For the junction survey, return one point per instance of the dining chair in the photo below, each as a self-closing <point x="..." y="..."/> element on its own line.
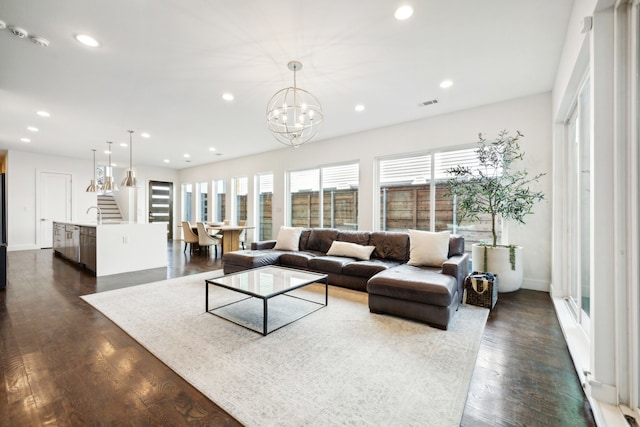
<point x="243" y="234"/>
<point x="189" y="236"/>
<point x="205" y="240"/>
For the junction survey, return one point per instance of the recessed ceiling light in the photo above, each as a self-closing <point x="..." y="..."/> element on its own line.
<point x="145" y="135"/>
<point x="107" y="152"/>
<point x="43" y="114"/>
<point x="167" y="160"/>
<point x="403" y="12"/>
<point x="446" y="84"/>
<point x="25" y="140"/>
<point x="359" y="107"/>
<point x="123" y="144"/>
<point x="87" y="40"/>
<point x="40" y="41"/>
<point x="187" y="155"/>
<point x="212" y="149"/>
<point x="32" y="128"/>
<point x="228" y="97"/>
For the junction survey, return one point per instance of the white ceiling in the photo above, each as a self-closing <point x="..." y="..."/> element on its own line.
<point x="164" y="65"/>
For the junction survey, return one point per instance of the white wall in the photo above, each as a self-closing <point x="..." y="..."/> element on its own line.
<point x="144" y="174"/>
<point x="22" y="215"/>
<point x="531" y="115"/>
<point x="22" y="170"/>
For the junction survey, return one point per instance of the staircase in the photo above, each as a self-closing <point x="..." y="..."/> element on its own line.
<point x="109" y="207"/>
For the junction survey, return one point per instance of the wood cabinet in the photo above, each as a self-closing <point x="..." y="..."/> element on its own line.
<point x="66" y="240"/>
<point x="88" y="247"/>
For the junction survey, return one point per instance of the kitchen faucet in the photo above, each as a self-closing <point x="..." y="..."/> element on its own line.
<point x="99" y="213"/>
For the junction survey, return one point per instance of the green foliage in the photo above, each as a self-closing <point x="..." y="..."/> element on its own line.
<point x="512" y="256"/>
<point x="495" y="187"/>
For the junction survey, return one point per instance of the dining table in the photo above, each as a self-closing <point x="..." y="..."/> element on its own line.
<point x="230" y="235"/>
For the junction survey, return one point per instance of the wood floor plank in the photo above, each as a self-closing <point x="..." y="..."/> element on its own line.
<point x="65" y="364"/>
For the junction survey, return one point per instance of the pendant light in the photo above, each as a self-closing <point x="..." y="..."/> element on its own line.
<point x="93" y="187"/>
<point x="294" y="115"/>
<point x="109" y="185"/>
<point x="130" y="178"/>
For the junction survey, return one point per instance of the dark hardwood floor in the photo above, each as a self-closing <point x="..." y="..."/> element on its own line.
<point x="63" y="363"/>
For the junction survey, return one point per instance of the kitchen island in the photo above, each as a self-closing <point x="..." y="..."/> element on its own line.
<point x="112" y="248"/>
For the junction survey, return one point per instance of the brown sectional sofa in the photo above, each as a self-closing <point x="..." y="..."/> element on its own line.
<point x="428" y="294"/>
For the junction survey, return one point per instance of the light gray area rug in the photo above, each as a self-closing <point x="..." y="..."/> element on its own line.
<point x="340" y="365"/>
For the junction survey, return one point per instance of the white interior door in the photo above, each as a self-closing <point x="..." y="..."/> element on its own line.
<point x="55" y="204"/>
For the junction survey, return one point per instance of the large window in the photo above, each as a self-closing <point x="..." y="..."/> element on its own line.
<point x="338" y="198"/>
<point x="220" y="197"/>
<point x="304" y="189"/>
<point x="187" y="199"/>
<point x="202" y="202"/>
<point x="405" y="193"/>
<point x="241" y="190"/>
<point x="579" y="196"/>
<point x="264" y="185"/>
<point x="414" y="195"/>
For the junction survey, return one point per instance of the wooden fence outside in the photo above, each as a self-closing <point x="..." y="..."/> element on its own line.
<point x="340" y="209"/>
<point x="401" y="208"/>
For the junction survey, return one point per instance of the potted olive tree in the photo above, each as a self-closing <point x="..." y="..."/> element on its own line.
<point x="498" y="189"/>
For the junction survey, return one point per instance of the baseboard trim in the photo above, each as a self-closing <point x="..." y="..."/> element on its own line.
<point x="22" y="248"/>
<point x="535" y="285"/>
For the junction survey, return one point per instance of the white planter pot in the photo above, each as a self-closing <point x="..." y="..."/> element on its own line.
<point x="498" y="263"/>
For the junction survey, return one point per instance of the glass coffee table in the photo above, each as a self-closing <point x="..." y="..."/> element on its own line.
<point x="266" y="283"/>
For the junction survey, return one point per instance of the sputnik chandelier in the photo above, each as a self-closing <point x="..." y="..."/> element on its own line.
<point x="294" y="116"/>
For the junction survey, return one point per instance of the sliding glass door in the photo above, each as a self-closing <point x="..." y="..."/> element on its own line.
<point x="578" y="128"/>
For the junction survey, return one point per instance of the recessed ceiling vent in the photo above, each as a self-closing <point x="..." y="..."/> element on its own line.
<point x="425" y="103"/>
<point x="18" y="32"/>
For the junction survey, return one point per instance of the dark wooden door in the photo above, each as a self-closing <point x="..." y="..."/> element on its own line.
<point x="161" y="204"/>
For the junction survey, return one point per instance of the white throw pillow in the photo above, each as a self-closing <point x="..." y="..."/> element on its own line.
<point x="288" y="239"/>
<point x="428" y="248"/>
<point x="352" y="250"/>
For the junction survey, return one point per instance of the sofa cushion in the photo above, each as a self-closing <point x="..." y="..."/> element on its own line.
<point x="304" y="238"/>
<point x="359" y="237"/>
<point x="321" y="239"/>
<point x="456" y="245"/>
<point x="288" y="239"/>
<point x="351" y="250"/>
<point x="420" y="284"/>
<point x="390" y="245"/>
<point x="329" y="264"/>
<point x="367" y="268"/>
<point x="252" y="258"/>
<point x="428" y="248"/>
<point x="296" y="259"/>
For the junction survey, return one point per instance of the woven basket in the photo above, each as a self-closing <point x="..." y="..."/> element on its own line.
<point x="481" y="290"/>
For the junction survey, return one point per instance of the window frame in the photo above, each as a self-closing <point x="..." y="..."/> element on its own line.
<point x="321" y="190"/>
<point x="432" y="183"/>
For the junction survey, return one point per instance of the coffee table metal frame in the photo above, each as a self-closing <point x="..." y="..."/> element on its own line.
<point x="312" y="278"/>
